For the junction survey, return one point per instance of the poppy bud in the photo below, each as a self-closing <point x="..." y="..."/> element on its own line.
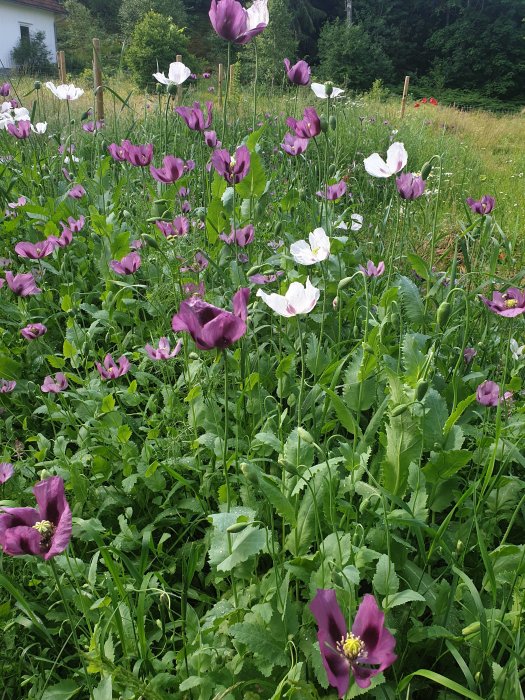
<point x="399" y="410"/>
<point x="250" y="472"/>
<point x="355" y="331"/>
<point x="159" y="88"/>
<point x="394" y="319"/>
<point x="237" y="527"/>
<point x="331" y="170"/>
<point x="438" y="447"/>
<point x="151" y="241"/>
<point x="37" y="85"/>
<point x="159" y="207"/>
<point x="443" y="313"/>
<point x="421" y="389"/>
<point x="305" y="435"/>
<point x="368" y="348"/>
<point x="200" y="213"/>
<point x="333" y="122"/>
<point x="278" y="228"/>
<point x="324" y="124"/>
<point x="426" y="170"/>
<point x="172" y="89"/>
<point x="344" y="283"/>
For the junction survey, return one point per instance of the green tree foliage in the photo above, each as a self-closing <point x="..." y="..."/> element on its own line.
<point x="105" y="11"/>
<point x="350" y="56"/>
<point x="132" y="11"/>
<point x="32" y="56"/>
<point x="154" y="44"/>
<point x="75" y="34"/>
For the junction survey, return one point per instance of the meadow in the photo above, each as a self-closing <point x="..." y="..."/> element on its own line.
<point x="267" y="398"/>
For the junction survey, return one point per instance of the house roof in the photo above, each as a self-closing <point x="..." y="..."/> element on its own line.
<point x="50" y="5"/>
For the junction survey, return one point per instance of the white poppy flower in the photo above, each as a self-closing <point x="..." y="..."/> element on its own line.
<point x="258" y="14"/>
<point x="320" y="91"/>
<point x="396" y="159"/>
<point x="39" y="128"/>
<point x="357" y="223"/>
<point x="317" y="250"/>
<point x="517" y="351"/>
<point x="65" y="92"/>
<point x="297" y="300"/>
<point x="177" y="74"/>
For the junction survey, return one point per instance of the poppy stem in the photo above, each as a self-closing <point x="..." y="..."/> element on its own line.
<point x="226" y="426"/>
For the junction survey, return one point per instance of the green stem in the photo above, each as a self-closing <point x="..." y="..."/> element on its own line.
<point x="226" y="425"/>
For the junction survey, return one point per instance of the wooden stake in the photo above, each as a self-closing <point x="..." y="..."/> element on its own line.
<point x="230" y="83"/>
<point x="61" y="63"/>
<point x="97" y="75"/>
<point x="220" y="78"/>
<point x="178" y="58"/>
<point x="405" y="95"/>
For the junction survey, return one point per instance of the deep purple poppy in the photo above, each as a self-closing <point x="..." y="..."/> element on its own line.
<point x="293" y="145"/>
<point x="469" y="354"/>
<point x="6" y="386"/>
<point x="91" y="127"/>
<point x="111" y="370"/>
<point x="77" y="192"/>
<point x="55" y="386"/>
<point x="369" y="643"/>
<point x="232" y="168"/>
<point x="36" y="251"/>
<point x="211" y="140"/>
<point x="209" y="326"/>
<point x="44" y="531"/>
<point x="298" y="74"/>
<point x="23" y="285"/>
<point x="118" y="153"/>
<point x="5" y="88"/>
<point x="241" y="236"/>
<point x="509" y="304"/>
<point x="233" y="23"/>
<point x="162" y="352"/>
<point x="410" y="186"/>
<point x="33" y="331"/>
<point x="482" y="206"/>
<point x="185" y="207"/>
<point x="191" y="289"/>
<point x="371" y="270"/>
<point x="333" y="192"/>
<point x="139" y="155"/>
<point x="128" y="265"/>
<point x="75" y="225"/>
<point x="171" y="171"/>
<point x="308" y="127"/>
<point x="6" y="471"/>
<point x="265" y="279"/>
<point x="194" y="117"/>
<point x="489" y="394"/>
<point x="20" y="130"/>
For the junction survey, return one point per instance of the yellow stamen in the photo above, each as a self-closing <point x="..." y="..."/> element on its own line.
<point x="351" y="647"/>
<point x="511" y="303"/>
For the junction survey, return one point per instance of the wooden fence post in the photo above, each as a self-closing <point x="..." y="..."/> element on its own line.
<point x="405" y="94"/>
<point x="97" y="78"/>
<point x="230" y="82"/>
<point x="61" y="64"/>
<point x="178" y="58"/>
<point x="220" y="78"/>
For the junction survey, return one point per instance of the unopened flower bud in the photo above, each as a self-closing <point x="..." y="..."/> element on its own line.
<point x="305" y="435"/>
<point x="324" y="123"/>
<point x="333" y="122"/>
<point x="426" y="170"/>
<point x="399" y="410"/>
<point x="443" y="313"/>
<point x="421" y="389"/>
<point x="172" y="89"/>
<point x="37" y="85"/>
<point x="164" y="599"/>
<point x="335" y="303"/>
<point x="237" y="527"/>
<point x="159" y="88"/>
<point x="151" y="241"/>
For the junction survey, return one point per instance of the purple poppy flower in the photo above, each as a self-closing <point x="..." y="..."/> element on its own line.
<point x="410" y="186"/>
<point x="36" y="251"/>
<point x="194" y="117"/>
<point x="232" y="168"/>
<point x="333" y="192"/>
<point x="180" y="226"/>
<point x="206" y="75"/>
<point x="128" y="265"/>
<point x="5" y="89"/>
<point x="138" y="155"/>
<point x="20" y="130"/>
<point x="293" y="145"/>
<point x="209" y="326"/>
<point x="110" y="370"/>
<point x="163" y="350"/>
<point x="265" y="279"/>
<point x="509" y="304"/>
<point x="482" y="206"/>
<point x="6" y="471"/>
<point x="191" y="289"/>
<point x="371" y="270"/>
<point x="75" y="225"/>
<point x="33" y="331"/>
<point x="211" y="140"/>
<point x="23" y="285"/>
<point x="77" y="192"/>
<point x="233" y="23"/>
<point x="6" y="386"/>
<point x="308" y="127"/>
<point x="369" y="644"/>
<point x="171" y="171"/>
<point x="240" y="303"/>
<point x="55" y="386"/>
<point x="489" y="394"/>
<point x="298" y="74"/>
<point x="118" y="153"/>
<point x="469" y="354"/>
<point x="189" y="165"/>
<point x="64" y="239"/>
<point x="201" y="261"/>
<point x="241" y="236"/>
<point x="91" y="127"/>
<point x="185" y="207"/>
<point x="44" y="532"/>
<point x="20" y="202"/>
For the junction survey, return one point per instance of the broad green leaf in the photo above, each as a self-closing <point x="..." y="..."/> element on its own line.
<point x="443" y="465"/>
<point x="254" y="183"/>
<point x="9" y="368"/>
<point x="402" y="597"/>
<point x="385" y="580"/>
<point x="61" y="691"/>
<point x="411" y="301"/>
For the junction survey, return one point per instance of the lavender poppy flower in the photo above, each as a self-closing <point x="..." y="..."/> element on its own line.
<point x="118" y="153"/>
<point x="232" y="168"/>
<point x="6" y="386"/>
<point x="138" y="155"/>
<point x="483" y="206"/>
<point x="233" y="23"/>
<point x="45" y="531"/>
<point x="5" y="88"/>
<point x="333" y="192"/>
<point x="77" y="192"/>
<point x="206" y="75"/>
<point x="410" y="186"/>
<point x="33" y="331"/>
<point x="469" y="354"/>
<point x="75" y="225"/>
<point x="23" y="285"/>
<point x="20" y="202"/>
<point x="194" y="117"/>
<point x="163" y="350"/>
<point x="298" y="74"/>
<point x="172" y="170"/>
<point x="371" y="270"/>
<point x="241" y="236"/>
<point x="36" y="251"/>
<point x="91" y="127"/>
<point x="110" y="370"/>
<point x="6" y="471"/>
<point x="308" y="127"/>
<point x="185" y="207"/>
<point x="489" y="394"/>
<point x="209" y="326"/>
<point x="369" y="643"/>
<point x="183" y="192"/>
<point x="20" y="130"/>
<point x="509" y="304"/>
<point x="128" y="265"/>
<point x="265" y="279"/>
<point x="64" y="239"/>
<point x="211" y="140"/>
<point x="191" y="289"/>
<point x="293" y="145"/>
<point x="59" y="384"/>
<point x="201" y="261"/>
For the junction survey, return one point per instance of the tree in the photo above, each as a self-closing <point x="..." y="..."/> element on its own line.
<point x="132" y="11"/>
<point x="75" y="34"/>
<point x="32" y="55"/>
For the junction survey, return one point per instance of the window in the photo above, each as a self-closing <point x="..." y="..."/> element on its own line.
<point x="24" y="34"/>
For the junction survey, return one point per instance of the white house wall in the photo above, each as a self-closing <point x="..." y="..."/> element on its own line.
<point x="11" y="17"/>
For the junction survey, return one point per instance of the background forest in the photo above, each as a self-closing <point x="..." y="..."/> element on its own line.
<point x="464" y="50"/>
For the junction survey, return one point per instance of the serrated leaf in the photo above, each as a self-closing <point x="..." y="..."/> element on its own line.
<point x="297" y="452"/>
<point x="411" y="300"/>
<point x="385" y="581"/>
<point x="433" y="419"/>
<point x="402" y="597"/>
<point x="260" y="642"/>
<point x="302" y="536"/>
<point x="243" y="545"/>
<point x="61" y="691"/>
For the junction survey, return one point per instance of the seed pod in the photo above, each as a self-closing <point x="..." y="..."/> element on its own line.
<point x="152" y="242"/>
<point x="421" y="389"/>
<point x="333" y="122"/>
<point x="443" y="313"/>
<point x="426" y="170"/>
<point x="399" y="410"/>
<point x="324" y="124"/>
<point x="237" y="527"/>
<point x="250" y="473"/>
<point x="172" y="89"/>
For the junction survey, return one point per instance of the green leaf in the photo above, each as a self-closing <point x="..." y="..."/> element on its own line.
<point x="302" y="537"/>
<point x="269" y="486"/>
<point x="254" y="183"/>
<point x="458" y="412"/>
<point x="443" y="465"/>
<point x="402" y="597"/>
<point x="411" y="301"/>
<point x="442" y="680"/>
<point x="260" y="642"/>
<point x="61" y="691"/>
<point x="297" y="452"/>
<point x="9" y="368"/>
<point x="419" y="266"/>
<point x="403" y="446"/>
<point x="68" y="349"/>
<point x="385" y="580"/>
<point x="343" y="413"/>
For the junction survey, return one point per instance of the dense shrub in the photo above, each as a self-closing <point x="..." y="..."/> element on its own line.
<point x="32" y="56"/>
